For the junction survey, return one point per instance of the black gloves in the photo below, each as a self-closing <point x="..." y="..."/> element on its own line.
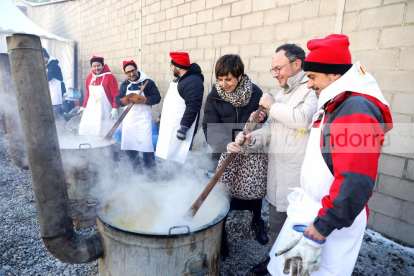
<point x="181" y="133"/>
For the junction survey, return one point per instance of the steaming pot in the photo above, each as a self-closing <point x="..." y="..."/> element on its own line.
<point x="82" y="158"/>
<point x="180" y="250"/>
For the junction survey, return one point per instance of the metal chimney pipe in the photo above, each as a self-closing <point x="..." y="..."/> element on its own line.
<point x="43" y="154"/>
<point x="13" y="124"/>
<point x="2" y="88"/>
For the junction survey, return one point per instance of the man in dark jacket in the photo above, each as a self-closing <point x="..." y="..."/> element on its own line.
<point x="56" y="85"/>
<point x="181" y="109"/>
<point x="136" y="128"/>
<point x="190" y="87"/>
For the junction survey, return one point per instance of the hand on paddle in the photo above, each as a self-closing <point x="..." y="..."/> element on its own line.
<point x="267" y="101"/>
<point x="127" y="99"/>
<point x="241" y="140"/>
<point x="262" y="115"/>
<point x="138" y="99"/>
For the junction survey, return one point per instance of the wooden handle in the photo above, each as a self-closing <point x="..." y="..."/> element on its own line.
<point x="213" y="181"/>
<point x="119" y="121"/>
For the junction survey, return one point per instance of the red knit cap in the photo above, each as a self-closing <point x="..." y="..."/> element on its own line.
<point x="329" y="55"/>
<point x="129" y="62"/>
<point x="97" y="59"/>
<point x="180" y="59"/>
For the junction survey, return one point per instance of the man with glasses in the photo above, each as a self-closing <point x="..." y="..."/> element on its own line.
<point x="290" y="114"/>
<point x="136" y="127"/>
<point x="327" y="217"/>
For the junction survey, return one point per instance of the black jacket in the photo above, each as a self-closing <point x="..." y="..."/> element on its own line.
<point x="191" y="89"/>
<point x="54" y="72"/>
<point x="151" y="91"/>
<point x="222" y="121"/>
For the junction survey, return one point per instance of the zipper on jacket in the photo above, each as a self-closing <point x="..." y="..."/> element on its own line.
<point x="237" y="116"/>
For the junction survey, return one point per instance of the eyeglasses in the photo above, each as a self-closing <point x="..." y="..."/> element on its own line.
<point x="131" y="72"/>
<point x="277" y="70"/>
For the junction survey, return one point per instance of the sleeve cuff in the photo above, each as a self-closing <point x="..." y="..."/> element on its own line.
<point x="323" y="228"/>
<point x="252" y="143"/>
<point x="273" y="109"/>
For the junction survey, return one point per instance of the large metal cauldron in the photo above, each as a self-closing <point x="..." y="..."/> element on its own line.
<point x="83" y="157"/>
<point x="180" y="250"/>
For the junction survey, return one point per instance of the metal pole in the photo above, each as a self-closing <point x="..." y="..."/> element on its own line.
<point x="13" y="124"/>
<point x="43" y="154"/>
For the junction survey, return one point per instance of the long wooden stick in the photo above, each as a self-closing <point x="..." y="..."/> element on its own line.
<point x="119" y="121"/>
<point x="213" y="181"/>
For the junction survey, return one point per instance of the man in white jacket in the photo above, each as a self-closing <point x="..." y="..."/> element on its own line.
<point x="290" y="114"/>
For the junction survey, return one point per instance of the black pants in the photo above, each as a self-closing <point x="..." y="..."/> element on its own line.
<point x="254" y="205"/>
<point x="148" y="157"/>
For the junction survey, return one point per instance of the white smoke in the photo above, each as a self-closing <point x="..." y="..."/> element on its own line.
<point x="155" y="203"/>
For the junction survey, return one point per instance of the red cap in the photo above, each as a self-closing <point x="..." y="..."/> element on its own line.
<point x="97" y="59"/>
<point x="129" y="62"/>
<point x="329" y="55"/>
<point x="180" y="59"/>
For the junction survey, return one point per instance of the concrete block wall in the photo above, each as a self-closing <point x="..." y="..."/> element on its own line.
<point x="381" y="34"/>
<point x="209" y="29"/>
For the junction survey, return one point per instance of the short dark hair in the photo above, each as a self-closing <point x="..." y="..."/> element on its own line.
<point x="293" y="52"/>
<point x="229" y="64"/>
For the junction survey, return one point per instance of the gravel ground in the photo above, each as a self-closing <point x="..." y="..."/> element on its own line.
<point x="22" y="251"/>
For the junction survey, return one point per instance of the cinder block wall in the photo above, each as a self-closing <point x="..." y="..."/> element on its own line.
<point x="381" y="33"/>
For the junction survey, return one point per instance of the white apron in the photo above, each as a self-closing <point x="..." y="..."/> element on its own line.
<point x="168" y="146"/>
<point x="95" y="119"/>
<point x="136" y="127"/>
<point x="55" y="87"/>
<point x="341" y="250"/>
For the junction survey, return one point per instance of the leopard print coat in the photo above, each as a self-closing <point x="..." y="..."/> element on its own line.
<point x="246" y="176"/>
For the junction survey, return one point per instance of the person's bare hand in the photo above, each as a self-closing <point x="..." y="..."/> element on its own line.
<point x="262" y="115"/>
<point x="242" y="139"/>
<point x="267" y="101"/>
<point x="312" y="233"/>
<point x="234" y="147"/>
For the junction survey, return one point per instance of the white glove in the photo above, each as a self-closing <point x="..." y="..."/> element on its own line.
<point x="114" y="114"/>
<point x="64" y="95"/>
<point x="81" y="110"/>
<point x="302" y="252"/>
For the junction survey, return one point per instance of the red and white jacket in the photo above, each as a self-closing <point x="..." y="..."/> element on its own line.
<point x="353" y="134"/>
<point x="110" y="86"/>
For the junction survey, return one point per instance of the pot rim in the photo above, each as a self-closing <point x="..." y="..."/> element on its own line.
<point x="100" y="211"/>
<point x="84" y="146"/>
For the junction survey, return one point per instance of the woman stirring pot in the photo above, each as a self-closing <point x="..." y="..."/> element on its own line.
<point x="228" y="107"/>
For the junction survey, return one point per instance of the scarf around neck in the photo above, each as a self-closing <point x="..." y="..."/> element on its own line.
<point x="241" y="95"/>
<point x="142" y="77"/>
